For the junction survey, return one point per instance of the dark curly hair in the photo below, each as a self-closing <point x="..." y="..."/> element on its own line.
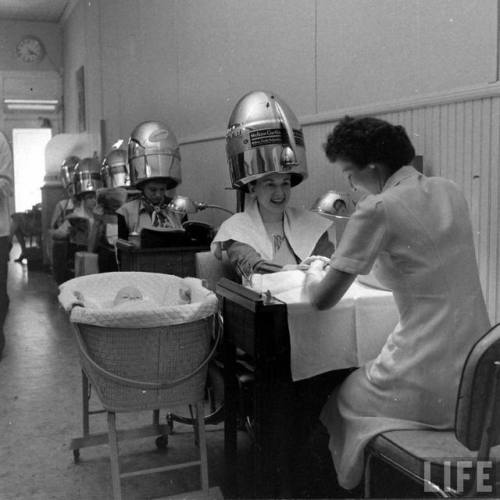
<point x="369" y="140"/>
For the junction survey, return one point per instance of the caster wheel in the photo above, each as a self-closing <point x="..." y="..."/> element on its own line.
<point x="162" y="442"/>
<point x="76" y="456"/>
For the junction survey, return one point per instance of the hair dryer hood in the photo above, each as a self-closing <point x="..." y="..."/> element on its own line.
<point x="67" y="173"/>
<point x="114" y="170"/>
<point x="263" y="137"/>
<point x="153" y="153"/>
<point x="87" y="176"/>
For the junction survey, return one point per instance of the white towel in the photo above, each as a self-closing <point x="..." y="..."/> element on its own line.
<point x="345" y="336"/>
<point x="89" y="299"/>
<point x="302" y="229"/>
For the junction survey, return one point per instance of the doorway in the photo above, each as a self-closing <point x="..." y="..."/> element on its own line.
<point x="28" y="146"/>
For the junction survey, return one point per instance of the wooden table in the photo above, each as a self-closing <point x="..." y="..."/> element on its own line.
<point x="259" y="328"/>
<point x="179" y="261"/>
<point x="258" y="324"/>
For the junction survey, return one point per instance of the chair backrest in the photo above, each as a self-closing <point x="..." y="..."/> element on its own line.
<point x="478" y="390"/>
<point x="210" y="269"/>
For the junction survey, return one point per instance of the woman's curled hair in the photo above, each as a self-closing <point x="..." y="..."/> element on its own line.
<point x="369" y="140"/>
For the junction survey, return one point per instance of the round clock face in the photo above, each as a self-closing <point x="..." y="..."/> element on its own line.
<point x="30" y="50"/>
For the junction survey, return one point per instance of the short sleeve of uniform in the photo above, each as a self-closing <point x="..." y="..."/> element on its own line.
<point x="362" y="239"/>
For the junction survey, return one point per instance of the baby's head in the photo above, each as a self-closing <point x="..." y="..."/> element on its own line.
<point x="126" y="294"/>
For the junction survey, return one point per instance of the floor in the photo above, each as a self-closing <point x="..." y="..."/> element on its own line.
<point x="40" y="412"/>
<point x="40" y="394"/>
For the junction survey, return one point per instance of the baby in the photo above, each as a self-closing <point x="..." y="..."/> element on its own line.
<point x="126" y="294"/>
<point x="131" y="297"/>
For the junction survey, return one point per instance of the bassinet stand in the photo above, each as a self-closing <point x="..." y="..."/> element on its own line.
<point x="113" y="436"/>
<point x="88" y="439"/>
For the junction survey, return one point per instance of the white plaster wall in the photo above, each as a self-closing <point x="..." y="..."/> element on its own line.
<point x="75" y="52"/>
<point x="188" y="62"/>
<point x="11" y="33"/>
<point x="25" y="80"/>
<point x="384" y="50"/>
<point x="81" y="44"/>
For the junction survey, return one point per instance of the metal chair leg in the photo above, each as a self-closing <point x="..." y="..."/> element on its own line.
<point x="113" y="455"/>
<point x="156" y="417"/>
<point x="202" y="447"/>
<point x="85" y="404"/>
<point x="368" y="459"/>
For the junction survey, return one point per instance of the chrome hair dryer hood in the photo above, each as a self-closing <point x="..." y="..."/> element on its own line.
<point x="67" y="173"/>
<point x="264" y="137"/>
<point x="334" y="205"/>
<point x="153" y="153"/>
<point x="87" y="176"/>
<point x="114" y="170"/>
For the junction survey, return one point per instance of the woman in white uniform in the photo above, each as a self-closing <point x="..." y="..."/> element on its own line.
<point x="415" y="233"/>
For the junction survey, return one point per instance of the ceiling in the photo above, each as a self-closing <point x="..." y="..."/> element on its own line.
<point x="34" y="10"/>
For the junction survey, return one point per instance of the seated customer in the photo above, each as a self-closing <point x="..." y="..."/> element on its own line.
<point x="105" y="228"/>
<point x="65" y="206"/>
<point x="148" y="210"/>
<point x="62" y="209"/>
<point x="116" y="178"/>
<point x="57" y="244"/>
<point x="269" y="236"/>
<point x="266" y="156"/>
<point x="155" y="168"/>
<point x="80" y="222"/>
<point x="77" y="226"/>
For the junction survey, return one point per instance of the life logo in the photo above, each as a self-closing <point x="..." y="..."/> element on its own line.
<point x="458" y="477"/>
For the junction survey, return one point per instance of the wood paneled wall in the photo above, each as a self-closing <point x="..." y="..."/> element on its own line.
<point x="460" y="141"/>
<point x="459" y="138"/>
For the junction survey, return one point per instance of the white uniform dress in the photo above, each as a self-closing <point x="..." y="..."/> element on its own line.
<point x="417" y="235"/>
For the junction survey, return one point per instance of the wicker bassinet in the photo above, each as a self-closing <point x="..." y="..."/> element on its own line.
<point x="147" y="359"/>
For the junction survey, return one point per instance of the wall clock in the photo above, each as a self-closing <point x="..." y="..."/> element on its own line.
<point x="30" y="50"/>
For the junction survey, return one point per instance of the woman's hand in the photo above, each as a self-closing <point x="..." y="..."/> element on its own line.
<point x="326" y="287"/>
<point x="313" y="259"/>
<point x="295" y="267"/>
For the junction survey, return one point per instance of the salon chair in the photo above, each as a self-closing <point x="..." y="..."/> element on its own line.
<point x="210" y="270"/>
<point x="460" y="461"/>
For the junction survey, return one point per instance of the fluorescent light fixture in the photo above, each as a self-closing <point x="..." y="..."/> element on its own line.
<point x="31" y="104"/>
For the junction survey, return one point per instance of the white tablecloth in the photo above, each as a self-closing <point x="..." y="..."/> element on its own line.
<point x="348" y="335"/>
